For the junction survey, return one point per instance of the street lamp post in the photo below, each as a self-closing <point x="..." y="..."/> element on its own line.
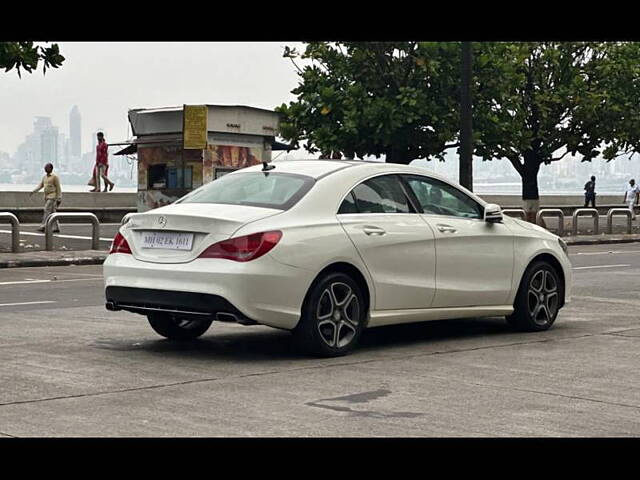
<point x="466" y="166"/>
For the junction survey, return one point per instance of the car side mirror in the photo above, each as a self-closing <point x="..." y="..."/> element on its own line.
<point x="492" y="213"/>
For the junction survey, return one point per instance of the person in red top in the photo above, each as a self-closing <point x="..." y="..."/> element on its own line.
<point x="102" y="164"/>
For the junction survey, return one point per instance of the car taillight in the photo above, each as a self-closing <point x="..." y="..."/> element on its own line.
<point x="243" y="249"/>
<point x="119" y="245"/>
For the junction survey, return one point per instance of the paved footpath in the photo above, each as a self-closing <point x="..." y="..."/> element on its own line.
<point x="68" y="367"/>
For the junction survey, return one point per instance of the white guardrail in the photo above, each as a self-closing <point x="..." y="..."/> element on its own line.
<point x="15" y="230"/>
<point x="95" y="234"/>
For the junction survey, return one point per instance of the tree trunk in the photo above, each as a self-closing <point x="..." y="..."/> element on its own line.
<point x="529" y="175"/>
<point x="466" y="147"/>
<point x="397" y="154"/>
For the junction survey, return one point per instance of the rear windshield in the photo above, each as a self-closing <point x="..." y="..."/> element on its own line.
<point x="256" y="189"/>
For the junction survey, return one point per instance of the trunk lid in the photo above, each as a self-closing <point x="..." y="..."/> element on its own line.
<point x="208" y="223"/>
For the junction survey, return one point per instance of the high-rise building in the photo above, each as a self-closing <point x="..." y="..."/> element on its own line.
<point x="75" y="132"/>
<point x="49" y="146"/>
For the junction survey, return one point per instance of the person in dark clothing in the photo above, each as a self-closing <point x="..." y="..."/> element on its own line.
<point x="590" y="192"/>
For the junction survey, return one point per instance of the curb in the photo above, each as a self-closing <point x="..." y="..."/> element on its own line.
<point x="601" y="241"/>
<point x="97" y="260"/>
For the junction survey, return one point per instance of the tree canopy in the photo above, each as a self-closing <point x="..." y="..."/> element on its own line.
<point x="395" y="98"/>
<point x="26" y="56"/>
<point x="533" y="102"/>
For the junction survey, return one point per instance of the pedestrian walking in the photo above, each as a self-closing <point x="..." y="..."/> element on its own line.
<point x="590" y="193"/>
<point x="631" y="196"/>
<point x="52" y="196"/>
<point x="102" y="164"/>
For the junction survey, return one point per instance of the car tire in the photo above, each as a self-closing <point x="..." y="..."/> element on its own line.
<point x="333" y="316"/>
<point x="538" y="299"/>
<point x="178" y="328"/>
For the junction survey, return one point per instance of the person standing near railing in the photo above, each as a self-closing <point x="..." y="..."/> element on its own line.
<point x="631" y="196"/>
<point x="590" y="192"/>
<point x="52" y="196"/>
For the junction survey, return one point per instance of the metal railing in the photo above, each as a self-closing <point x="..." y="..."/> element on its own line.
<point x="586" y="211"/>
<point x="95" y="235"/>
<point x="15" y="230"/>
<point x="618" y="211"/>
<point x="519" y="211"/>
<point x="556" y="212"/>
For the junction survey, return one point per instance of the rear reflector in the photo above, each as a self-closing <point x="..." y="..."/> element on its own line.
<point x="119" y="245"/>
<point x="243" y="249"/>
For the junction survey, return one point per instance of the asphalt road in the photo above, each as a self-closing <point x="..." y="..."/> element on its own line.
<point x="68" y="367"/>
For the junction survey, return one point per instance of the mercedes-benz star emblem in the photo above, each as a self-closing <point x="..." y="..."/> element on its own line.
<point x="162" y="221"/>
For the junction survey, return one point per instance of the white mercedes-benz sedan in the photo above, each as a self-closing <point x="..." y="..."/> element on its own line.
<point x="327" y="248"/>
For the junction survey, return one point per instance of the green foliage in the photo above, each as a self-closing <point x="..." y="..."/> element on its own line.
<point x="26" y="56"/>
<point x="393" y="98"/>
<point x="533" y="102"/>
<point x="543" y="100"/>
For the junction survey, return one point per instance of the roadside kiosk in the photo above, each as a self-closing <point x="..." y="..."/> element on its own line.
<point x="181" y="148"/>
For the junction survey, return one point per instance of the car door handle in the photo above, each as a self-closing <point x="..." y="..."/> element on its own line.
<point x="446" y="228"/>
<point x="371" y="230"/>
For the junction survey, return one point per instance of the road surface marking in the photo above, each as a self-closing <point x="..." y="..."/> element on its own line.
<point x="47" y="281"/>
<point x="604" y="253"/>
<point x="79" y="237"/>
<point x="24" y="281"/>
<point x="600" y="266"/>
<point x="24" y="303"/>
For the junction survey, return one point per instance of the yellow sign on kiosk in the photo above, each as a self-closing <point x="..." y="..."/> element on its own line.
<point x="194" y="127"/>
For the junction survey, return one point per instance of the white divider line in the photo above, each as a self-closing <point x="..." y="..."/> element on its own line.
<point x="24" y="303"/>
<point x="600" y="266"/>
<point x="21" y="282"/>
<point x="605" y="253"/>
<point x="38" y="234"/>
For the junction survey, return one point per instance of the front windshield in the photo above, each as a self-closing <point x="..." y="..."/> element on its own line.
<point x="268" y="190"/>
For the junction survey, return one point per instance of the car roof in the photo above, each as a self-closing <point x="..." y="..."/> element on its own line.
<point x="318" y="168"/>
<point x="313" y="168"/>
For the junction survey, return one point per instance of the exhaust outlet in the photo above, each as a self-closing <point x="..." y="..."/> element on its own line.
<point x="226" y="317"/>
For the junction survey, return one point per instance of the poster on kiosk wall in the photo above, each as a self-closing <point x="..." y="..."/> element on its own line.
<point x="194" y="127"/>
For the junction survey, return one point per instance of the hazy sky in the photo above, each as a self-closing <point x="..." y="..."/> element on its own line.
<point x="107" y="79"/>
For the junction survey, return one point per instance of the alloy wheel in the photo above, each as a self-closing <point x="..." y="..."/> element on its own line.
<point x="337" y="314"/>
<point x="542" y="297"/>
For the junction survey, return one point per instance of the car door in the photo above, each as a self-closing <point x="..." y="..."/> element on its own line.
<point x="395" y="244"/>
<point x="474" y="258"/>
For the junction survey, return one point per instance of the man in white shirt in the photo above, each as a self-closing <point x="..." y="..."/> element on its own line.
<point x="631" y="196"/>
<point x="52" y="196"/>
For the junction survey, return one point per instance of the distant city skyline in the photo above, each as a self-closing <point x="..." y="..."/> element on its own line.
<point x="106" y="79"/>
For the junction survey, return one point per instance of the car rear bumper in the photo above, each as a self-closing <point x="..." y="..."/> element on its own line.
<point x="148" y="301"/>
<point x="263" y="290"/>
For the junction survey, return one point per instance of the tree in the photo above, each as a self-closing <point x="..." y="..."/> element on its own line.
<point x="616" y="113"/>
<point x="27" y="56"/>
<point x="534" y="103"/>
<point x="552" y="99"/>
<point x="397" y="99"/>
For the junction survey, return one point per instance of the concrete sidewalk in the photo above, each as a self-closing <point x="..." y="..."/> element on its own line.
<point x="601" y="239"/>
<point x="53" y="258"/>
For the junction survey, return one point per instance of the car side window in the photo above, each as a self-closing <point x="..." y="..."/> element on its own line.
<point x="438" y="198"/>
<point x="348" y="204"/>
<point x="382" y="194"/>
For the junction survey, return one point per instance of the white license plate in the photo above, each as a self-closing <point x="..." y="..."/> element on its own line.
<point x="167" y="240"/>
